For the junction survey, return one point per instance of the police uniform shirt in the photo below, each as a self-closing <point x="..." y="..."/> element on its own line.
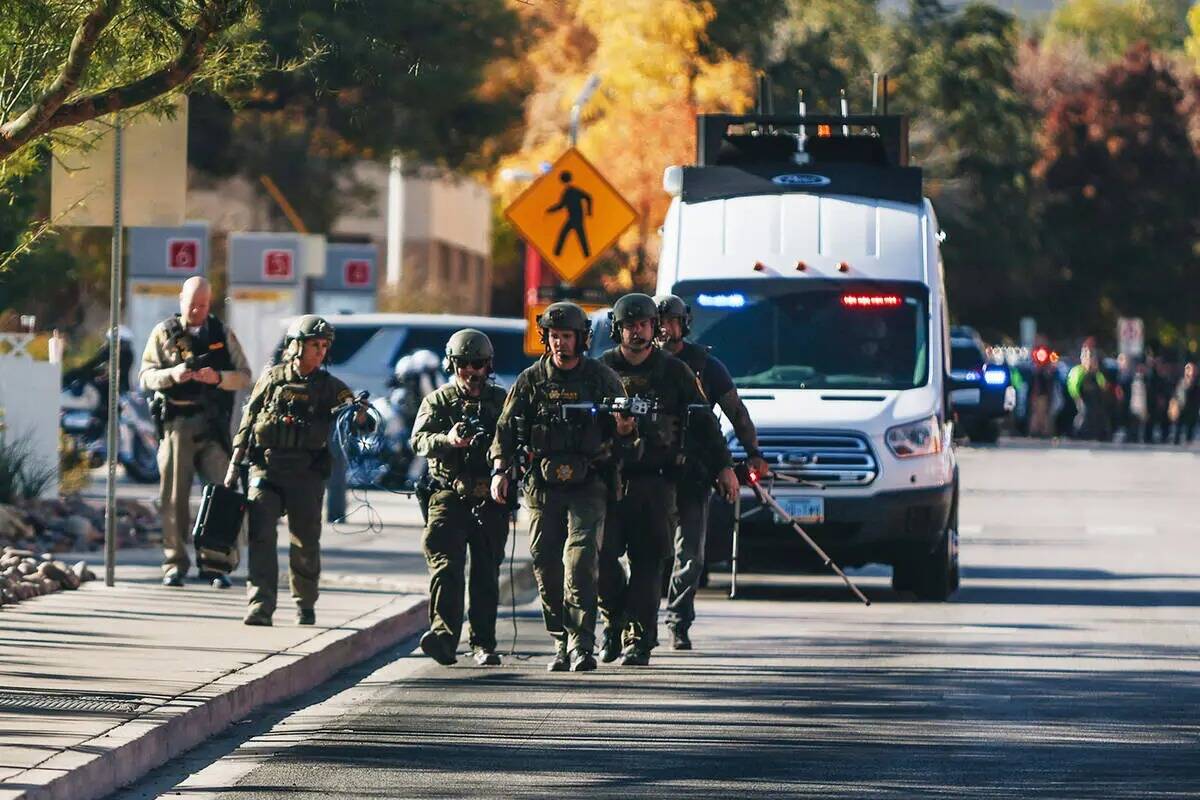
<point x="715" y="379"/>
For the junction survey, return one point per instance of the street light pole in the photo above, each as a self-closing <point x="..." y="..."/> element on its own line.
<point x="589" y="88"/>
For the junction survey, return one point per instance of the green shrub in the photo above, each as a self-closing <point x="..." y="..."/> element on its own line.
<point x="21" y="477"/>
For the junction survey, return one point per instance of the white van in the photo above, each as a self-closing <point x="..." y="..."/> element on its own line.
<point x="367" y="346"/>
<point x="810" y="260"/>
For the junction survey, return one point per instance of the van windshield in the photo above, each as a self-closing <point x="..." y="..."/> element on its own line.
<point x="822" y="335"/>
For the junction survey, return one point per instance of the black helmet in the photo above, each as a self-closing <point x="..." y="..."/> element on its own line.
<point x="631" y="307"/>
<point x="672" y="305"/>
<point x="565" y="315"/>
<point x="310" y="326"/>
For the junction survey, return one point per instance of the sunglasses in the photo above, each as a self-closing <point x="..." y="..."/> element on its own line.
<point x="478" y="363"/>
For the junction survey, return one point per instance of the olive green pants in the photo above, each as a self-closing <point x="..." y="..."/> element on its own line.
<point x="298" y="495"/>
<point x="638" y="525"/>
<point x="564" y="528"/>
<point x="452" y="531"/>
<point x="185" y="450"/>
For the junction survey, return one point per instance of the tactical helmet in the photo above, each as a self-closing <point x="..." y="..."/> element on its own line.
<point x="565" y="315"/>
<point x="310" y="326"/>
<point x="631" y="307"/>
<point x="672" y="305"/>
<point x="468" y="345"/>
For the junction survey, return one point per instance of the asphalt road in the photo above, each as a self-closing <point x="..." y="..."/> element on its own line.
<point x="1067" y="666"/>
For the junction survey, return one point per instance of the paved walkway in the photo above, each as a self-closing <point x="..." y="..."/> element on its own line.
<point x="102" y="684"/>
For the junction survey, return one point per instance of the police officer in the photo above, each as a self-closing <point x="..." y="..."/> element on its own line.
<point x="194" y="365"/>
<point x="565" y="487"/>
<point x="695" y="486"/>
<point x="639" y="524"/>
<point x="453" y="429"/>
<point x="284" y="439"/>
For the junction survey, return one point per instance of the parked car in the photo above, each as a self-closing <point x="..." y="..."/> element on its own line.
<point x="984" y="393"/>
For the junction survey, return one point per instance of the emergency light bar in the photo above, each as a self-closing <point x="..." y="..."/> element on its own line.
<point x="871" y="300"/>
<point x="732" y="300"/>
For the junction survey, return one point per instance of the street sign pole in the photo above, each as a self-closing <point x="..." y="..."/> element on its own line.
<point x="114" y="367"/>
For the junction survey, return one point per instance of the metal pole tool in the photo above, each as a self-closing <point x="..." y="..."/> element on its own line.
<point x="748" y="478"/>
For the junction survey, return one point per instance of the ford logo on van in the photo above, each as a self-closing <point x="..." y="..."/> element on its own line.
<point x="801" y="179"/>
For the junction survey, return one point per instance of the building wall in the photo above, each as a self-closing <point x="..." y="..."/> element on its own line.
<point x="447" y="230"/>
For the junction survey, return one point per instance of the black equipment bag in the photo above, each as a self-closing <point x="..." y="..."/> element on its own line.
<point x="216" y="531"/>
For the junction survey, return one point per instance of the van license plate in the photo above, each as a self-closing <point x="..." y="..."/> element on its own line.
<point x="810" y="510"/>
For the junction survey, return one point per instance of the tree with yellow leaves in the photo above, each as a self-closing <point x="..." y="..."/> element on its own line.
<point x="657" y="72"/>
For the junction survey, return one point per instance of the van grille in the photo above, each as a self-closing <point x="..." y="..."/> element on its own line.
<point x="831" y="459"/>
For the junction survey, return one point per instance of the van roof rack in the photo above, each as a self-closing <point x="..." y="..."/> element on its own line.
<point x="879" y="139"/>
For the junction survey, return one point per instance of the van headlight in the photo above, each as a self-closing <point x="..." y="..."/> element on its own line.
<point x="921" y="438"/>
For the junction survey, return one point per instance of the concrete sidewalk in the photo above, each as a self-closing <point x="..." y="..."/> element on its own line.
<point x="101" y="685"/>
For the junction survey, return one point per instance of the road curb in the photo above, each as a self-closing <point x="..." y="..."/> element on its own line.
<point x="100" y="766"/>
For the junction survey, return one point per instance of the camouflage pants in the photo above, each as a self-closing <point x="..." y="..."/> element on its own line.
<point x="690" y="526"/>
<point x="565" y="527"/>
<point x="453" y="531"/>
<point x="638" y="525"/>
<point x="299" y="496"/>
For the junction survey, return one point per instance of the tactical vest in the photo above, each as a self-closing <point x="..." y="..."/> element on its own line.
<point x="211" y="345"/>
<point x="577" y="434"/>
<point x="296" y="414"/>
<point x="660" y="435"/>
<point x="467" y="464"/>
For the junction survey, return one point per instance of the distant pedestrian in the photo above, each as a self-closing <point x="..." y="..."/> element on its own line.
<point x="1087" y="386"/>
<point x="1186" y="404"/>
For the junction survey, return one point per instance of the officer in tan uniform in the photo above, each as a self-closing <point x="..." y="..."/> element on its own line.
<point x="284" y="441"/>
<point x="194" y="365"/>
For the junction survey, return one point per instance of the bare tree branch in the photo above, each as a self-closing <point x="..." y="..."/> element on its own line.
<point x="87" y="36"/>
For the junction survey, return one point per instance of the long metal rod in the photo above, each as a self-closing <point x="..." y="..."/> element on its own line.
<point x="114" y="367"/>
<point x="765" y="497"/>
<point x="737" y="527"/>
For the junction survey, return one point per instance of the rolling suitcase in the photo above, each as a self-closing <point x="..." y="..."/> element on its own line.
<point x="215" y="534"/>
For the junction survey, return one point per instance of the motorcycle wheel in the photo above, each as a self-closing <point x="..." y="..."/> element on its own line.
<point x="142" y="466"/>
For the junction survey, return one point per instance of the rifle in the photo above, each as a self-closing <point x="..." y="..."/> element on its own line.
<point x="636" y="407"/>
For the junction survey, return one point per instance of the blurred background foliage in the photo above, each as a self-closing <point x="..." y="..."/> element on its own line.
<point x="1062" y="151"/>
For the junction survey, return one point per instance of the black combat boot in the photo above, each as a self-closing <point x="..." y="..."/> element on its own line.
<point x="306" y="616"/>
<point x="561" y="661"/>
<point x="438" y="648"/>
<point x="582" y="660"/>
<point x="610" y="649"/>
<point x="636" y="656"/>
<point x="680" y="640"/>
<point x="256" y="616"/>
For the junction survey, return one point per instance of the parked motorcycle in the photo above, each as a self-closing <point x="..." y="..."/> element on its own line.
<point x="82" y="419"/>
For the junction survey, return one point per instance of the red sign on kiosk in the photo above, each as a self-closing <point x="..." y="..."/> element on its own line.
<point x="277" y="265"/>
<point x="356" y="272"/>
<point x="183" y="255"/>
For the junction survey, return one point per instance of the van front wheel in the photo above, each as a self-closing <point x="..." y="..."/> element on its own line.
<point x="932" y="577"/>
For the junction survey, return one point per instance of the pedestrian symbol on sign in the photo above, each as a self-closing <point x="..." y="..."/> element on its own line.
<point x="571" y="215"/>
<point x="574" y="201"/>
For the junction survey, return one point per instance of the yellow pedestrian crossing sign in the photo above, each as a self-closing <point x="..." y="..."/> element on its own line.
<point x="571" y="215"/>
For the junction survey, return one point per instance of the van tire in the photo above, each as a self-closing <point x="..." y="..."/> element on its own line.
<point x="932" y="577"/>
